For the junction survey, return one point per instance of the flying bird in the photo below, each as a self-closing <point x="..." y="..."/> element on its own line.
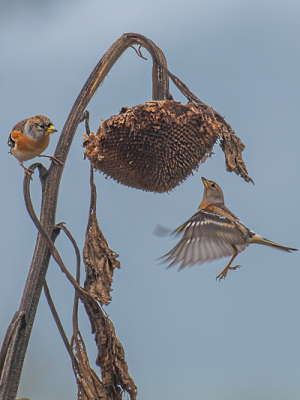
<point x="213" y="232"/>
<point x="29" y="138"/>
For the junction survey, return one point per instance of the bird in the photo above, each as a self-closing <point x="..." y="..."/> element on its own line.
<point x="29" y="138"/>
<point x="211" y="233"/>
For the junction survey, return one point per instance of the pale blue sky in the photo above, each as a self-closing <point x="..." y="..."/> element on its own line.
<point x="185" y="335"/>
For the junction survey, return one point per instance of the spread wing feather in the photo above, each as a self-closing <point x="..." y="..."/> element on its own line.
<point x="206" y="236"/>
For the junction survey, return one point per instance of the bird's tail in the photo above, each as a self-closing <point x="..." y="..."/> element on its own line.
<point x="261" y="240"/>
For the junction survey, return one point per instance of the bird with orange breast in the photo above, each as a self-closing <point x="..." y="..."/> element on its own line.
<point x="213" y="232"/>
<point x="29" y="138"/>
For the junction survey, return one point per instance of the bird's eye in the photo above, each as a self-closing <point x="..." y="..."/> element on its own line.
<point x="213" y="185"/>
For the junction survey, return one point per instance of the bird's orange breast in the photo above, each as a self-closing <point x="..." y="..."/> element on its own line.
<point x="26" y="148"/>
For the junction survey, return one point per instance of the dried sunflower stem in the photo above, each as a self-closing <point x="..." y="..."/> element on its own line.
<point x="13" y="355"/>
<point x="75" y="307"/>
<point x="56" y="318"/>
<point x="89" y="384"/>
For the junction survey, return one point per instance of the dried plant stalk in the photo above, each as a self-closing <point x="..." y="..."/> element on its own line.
<point x="14" y="349"/>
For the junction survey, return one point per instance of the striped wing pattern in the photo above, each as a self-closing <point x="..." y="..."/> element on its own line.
<point x="206" y="236"/>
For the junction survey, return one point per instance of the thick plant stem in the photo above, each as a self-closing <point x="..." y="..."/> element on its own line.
<point x="13" y="353"/>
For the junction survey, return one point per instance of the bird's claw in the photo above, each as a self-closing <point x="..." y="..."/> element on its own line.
<point x="223" y="274"/>
<point x="29" y="172"/>
<point x="235" y="267"/>
<point x="54" y="159"/>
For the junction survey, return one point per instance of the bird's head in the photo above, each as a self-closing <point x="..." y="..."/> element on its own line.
<point x="212" y="192"/>
<point x="37" y="126"/>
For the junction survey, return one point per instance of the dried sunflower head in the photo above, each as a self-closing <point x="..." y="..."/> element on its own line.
<point x="153" y="146"/>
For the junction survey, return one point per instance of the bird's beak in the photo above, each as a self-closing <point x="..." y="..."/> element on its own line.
<point x="51" y="129"/>
<point x="205" y="181"/>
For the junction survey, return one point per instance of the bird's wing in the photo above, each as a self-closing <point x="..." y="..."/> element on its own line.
<point x="18" y="129"/>
<point x="206" y="236"/>
<point x="14" y="135"/>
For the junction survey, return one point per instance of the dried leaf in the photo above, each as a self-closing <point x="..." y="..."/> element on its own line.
<point x="111" y="355"/>
<point x="88" y="384"/>
<point x="100" y="261"/>
<point x="232" y="147"/>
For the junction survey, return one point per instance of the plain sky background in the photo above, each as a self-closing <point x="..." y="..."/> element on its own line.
<point x="185" y="335"/>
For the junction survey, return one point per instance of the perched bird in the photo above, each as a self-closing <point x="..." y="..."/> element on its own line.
<point x="213" y="232"/>
<point x="29" y="138"/>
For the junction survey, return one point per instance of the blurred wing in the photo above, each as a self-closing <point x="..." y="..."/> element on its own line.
<point x="207" y="236"/>
<point x="160" y="230"/>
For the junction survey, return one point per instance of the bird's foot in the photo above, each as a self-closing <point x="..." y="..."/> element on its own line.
<point x="223" y="274"/>
<point x="54" y="159"/>
<point x="28" y="171"/>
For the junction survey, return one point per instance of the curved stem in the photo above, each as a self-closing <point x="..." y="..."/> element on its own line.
<point x="57" y="319"/>
<point x="50" y="181"/>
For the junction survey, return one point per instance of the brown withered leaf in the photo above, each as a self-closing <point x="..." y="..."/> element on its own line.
<point x="232" y="147"/>
<point x="111" y="355"/>
<point x="100" y="263"/>
<point x="88" y="384"/>
<point x="99" y="260"/>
